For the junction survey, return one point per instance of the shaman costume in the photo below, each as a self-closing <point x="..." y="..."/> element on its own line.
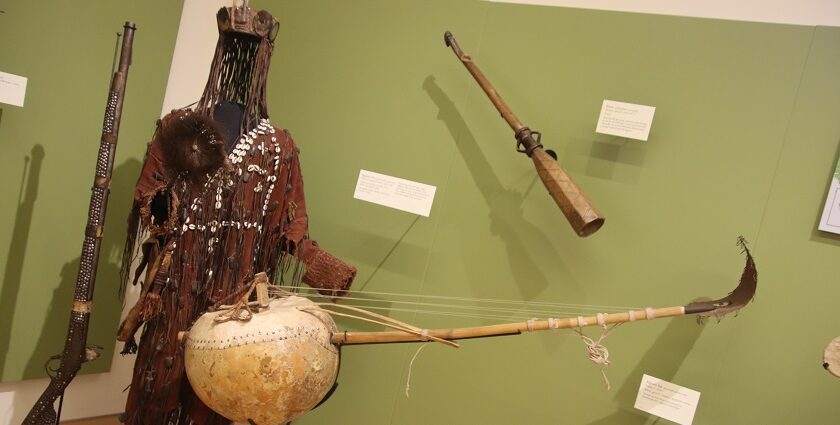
<point x="220" y="197"/>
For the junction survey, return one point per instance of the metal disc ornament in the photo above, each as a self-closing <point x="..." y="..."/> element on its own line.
<point x="268" y="370"/>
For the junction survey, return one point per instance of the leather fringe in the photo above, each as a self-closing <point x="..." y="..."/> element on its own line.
<point x="130" y="347"/>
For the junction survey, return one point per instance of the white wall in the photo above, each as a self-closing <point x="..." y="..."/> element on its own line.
<point x="194" y="47"/>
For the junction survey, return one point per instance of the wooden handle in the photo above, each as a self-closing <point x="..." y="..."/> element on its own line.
<point x="507" y="328"/>
<point x="577" y="208"/>
<point x="482" y="81"/>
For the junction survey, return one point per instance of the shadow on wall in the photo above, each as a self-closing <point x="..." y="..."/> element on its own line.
<point x="604" y="156"/>
<point x="106" y="311"/>
<point x="17" y="247"/>
<point x="662" y="360"/>
<point x="388" y="254"/>
<point x="506" y="216"/>
<point x="378" y="251"/>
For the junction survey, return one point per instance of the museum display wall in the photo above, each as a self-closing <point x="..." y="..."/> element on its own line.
<point x="49" y="152"/>
<point x="744" y="141"/>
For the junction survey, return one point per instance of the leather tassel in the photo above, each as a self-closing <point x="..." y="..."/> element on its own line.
<point x="130" y="347"/>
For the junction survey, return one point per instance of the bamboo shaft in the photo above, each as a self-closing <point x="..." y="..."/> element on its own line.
<point x="343" y="338"/>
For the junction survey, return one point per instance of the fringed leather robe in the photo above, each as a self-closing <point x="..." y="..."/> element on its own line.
<point x="208" y="237"/>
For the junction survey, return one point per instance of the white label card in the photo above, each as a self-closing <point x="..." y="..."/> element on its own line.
<point x="12" y="89"/>
<point x="395" y="192"/>
<point x="666" y="400"/>
<point x="830" y="221"/>
<point x="625" y="120"/>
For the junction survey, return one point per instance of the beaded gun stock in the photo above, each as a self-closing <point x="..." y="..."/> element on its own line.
<point x="76" y="351"/>
<point x="577" y="208"/>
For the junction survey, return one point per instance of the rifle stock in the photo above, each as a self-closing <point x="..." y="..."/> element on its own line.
<point x="76" y="350"/>
<point x="575" y="205"/>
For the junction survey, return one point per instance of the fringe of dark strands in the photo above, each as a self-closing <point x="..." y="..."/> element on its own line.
<point x="130" y="346"/>
<point x="129" y="249"/>
<point x="133" y="233"/>
<point x="179" y="416"/>
<point x="289" y="270"/>
<point x="239" y="74"/>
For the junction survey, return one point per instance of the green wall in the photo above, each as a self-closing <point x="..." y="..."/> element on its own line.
<point x="47" y="165"/>
<point x="744" y="142"/>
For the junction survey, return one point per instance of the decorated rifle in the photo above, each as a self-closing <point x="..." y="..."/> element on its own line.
<point x="76" y="351"/>
<point x="576" y="206"/>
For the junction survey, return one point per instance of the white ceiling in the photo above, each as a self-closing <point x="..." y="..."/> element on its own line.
<point x="801" y="12"/>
